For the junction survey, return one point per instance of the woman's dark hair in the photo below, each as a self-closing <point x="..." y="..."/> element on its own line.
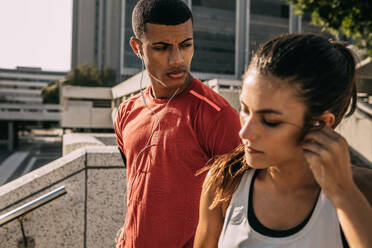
<point x="165" y="12"/>
<point x="322" y="72"/>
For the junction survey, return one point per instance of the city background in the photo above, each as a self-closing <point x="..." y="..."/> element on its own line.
<point x="65" y="68"/>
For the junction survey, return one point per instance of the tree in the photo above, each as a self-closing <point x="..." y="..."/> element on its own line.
<point x="352" y="18"/>
<point x="86" y="75"/>
<point x="81" y="75"/>
<point x="50" y="93"/>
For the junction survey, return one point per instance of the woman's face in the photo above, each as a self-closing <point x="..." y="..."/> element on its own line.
<point x="272" y="119"/>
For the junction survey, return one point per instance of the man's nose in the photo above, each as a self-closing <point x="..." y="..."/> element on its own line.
<point x="175" y="57"/>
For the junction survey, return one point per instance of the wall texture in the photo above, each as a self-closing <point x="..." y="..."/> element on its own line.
<point x="89" y="215"/>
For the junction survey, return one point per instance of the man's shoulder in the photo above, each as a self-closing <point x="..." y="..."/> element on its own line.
<point x="128" y="104"/>
<point x="210" y="97"/>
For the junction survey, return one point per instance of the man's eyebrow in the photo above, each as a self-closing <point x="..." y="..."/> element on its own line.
<point x="167" y="44"/>
<point x="161" y="43"/>
<point x="186" y="40"/>
<point x="264" y="111"/>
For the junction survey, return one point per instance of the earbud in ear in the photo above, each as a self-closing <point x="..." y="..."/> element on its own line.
<point x="316" y="123"/>
<point x="139" y="53"/>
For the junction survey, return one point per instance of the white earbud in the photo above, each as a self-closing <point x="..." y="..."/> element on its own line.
<point x="316" y="123"/>
<point x="139" y="53"/>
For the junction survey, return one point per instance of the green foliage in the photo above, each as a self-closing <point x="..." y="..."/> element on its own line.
<point x="81" y="75"/>
<point x="50" y="93"/>
<point x="86" y="75"/>
<point x="352" y="18"/>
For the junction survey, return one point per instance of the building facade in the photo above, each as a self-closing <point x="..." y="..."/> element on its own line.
<point x="21" y="102"/>
<point x="226" y="33"/>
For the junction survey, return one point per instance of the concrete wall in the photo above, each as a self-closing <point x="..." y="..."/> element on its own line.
<point x="79" y="108"/>
<point x="82" y="114"/>
<point x="89" y="215"/>
<point x="358" y="132"/>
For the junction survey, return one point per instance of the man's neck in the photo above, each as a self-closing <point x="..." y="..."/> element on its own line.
<point x="161" y="92"/>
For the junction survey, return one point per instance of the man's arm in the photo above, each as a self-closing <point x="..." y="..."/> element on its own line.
<point x="123" y="157"/>
<point x="222" y="133"/>
<point x="118" y="130"/>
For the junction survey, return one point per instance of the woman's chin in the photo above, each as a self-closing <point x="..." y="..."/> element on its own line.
<point x="255" y="163"/>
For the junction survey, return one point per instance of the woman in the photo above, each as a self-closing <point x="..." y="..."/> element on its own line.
<point x="291" y="183"/>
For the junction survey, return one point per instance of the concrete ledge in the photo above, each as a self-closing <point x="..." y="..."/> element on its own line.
<point x="43" y="177"/>
<point x="74" y="141"/>
<point x="89" y="215"/>
<point x="107" y="156"/>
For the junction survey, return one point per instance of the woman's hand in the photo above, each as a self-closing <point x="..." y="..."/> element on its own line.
<point x="327" y="155"/>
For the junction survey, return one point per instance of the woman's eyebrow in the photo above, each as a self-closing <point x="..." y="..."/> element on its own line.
<point x="264" y="111"/>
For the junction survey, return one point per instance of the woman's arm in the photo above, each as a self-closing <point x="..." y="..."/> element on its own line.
<point x="355" y="216"/>
<point x="327" y="155"/>
<point x="210" y="222"/>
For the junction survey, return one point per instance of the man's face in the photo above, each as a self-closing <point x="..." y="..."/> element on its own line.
<point x="167" y="52"/>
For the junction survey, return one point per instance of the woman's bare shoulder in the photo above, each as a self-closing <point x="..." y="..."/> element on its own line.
<point x="363" y="179"/>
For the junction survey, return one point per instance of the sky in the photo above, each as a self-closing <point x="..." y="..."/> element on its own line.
<point x="36" y="33"/>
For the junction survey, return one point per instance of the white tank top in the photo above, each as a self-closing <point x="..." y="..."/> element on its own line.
<point x="321" y="230"/>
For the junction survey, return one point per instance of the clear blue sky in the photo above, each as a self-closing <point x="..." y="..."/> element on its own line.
<point x="36" y="33"/>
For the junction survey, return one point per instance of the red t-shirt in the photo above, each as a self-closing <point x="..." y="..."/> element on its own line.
<point x="163" y="203"/>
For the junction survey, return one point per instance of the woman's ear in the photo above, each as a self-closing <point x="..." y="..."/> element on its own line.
<point x="327" y="119"/>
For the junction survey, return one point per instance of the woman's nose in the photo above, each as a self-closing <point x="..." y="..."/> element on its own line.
<point x="249" y="129"/>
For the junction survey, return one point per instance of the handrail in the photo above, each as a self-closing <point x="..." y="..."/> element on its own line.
<point x="32" y="205"/>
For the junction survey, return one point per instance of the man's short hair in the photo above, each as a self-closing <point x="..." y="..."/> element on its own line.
<point x="164" y="12"/>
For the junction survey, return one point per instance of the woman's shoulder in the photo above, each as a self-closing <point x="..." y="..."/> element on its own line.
<point x="363" y="179"/>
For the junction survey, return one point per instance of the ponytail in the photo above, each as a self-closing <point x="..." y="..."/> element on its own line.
<point x="350" y="60"/>
<point x="225" y="173"/>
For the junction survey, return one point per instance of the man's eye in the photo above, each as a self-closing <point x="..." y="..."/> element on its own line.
<point x="186" y="45"/>
<point x="162" y="48"/>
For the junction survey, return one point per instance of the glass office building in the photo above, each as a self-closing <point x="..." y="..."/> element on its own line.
<point x="226" y="33"/>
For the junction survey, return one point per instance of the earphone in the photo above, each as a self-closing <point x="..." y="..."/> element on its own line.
<point x="157" y="127"/>
<point x="139" y="54"/>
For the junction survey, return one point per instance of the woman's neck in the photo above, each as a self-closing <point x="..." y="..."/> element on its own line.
<point x="290" y="177"/>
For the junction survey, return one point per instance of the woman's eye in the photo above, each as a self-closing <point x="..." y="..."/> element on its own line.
<point x="270" y="123"/>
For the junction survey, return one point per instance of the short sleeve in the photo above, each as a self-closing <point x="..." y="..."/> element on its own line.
<point x="222" y="133"/>
<point x="118" y="128"/>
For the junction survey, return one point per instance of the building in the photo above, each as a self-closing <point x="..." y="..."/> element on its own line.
<point x="225" y="34"/>
<point x="86" y="108"/>
<point x="21" y="101"/>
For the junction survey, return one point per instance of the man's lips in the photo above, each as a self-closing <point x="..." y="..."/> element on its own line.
<point x="176" y="74"/>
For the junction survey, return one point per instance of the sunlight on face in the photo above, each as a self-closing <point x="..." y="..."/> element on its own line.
<point x="272" y="117"/>
<point x="168" y="51"/>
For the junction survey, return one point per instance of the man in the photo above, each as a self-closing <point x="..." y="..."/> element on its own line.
<point x="167" y="133"/>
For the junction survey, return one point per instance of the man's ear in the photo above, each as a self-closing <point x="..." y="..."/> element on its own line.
<point x="136" y="46"/>
<point x="327" y="119"/>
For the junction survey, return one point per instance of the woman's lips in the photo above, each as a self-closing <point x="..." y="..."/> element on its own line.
<point x="251" y="150"/>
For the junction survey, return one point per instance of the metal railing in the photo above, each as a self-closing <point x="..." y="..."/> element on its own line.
<point x="32" y="205"/>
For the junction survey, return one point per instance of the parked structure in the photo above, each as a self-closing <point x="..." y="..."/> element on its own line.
<point x="21" y="101"/>
<point x="85" y="107"/>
